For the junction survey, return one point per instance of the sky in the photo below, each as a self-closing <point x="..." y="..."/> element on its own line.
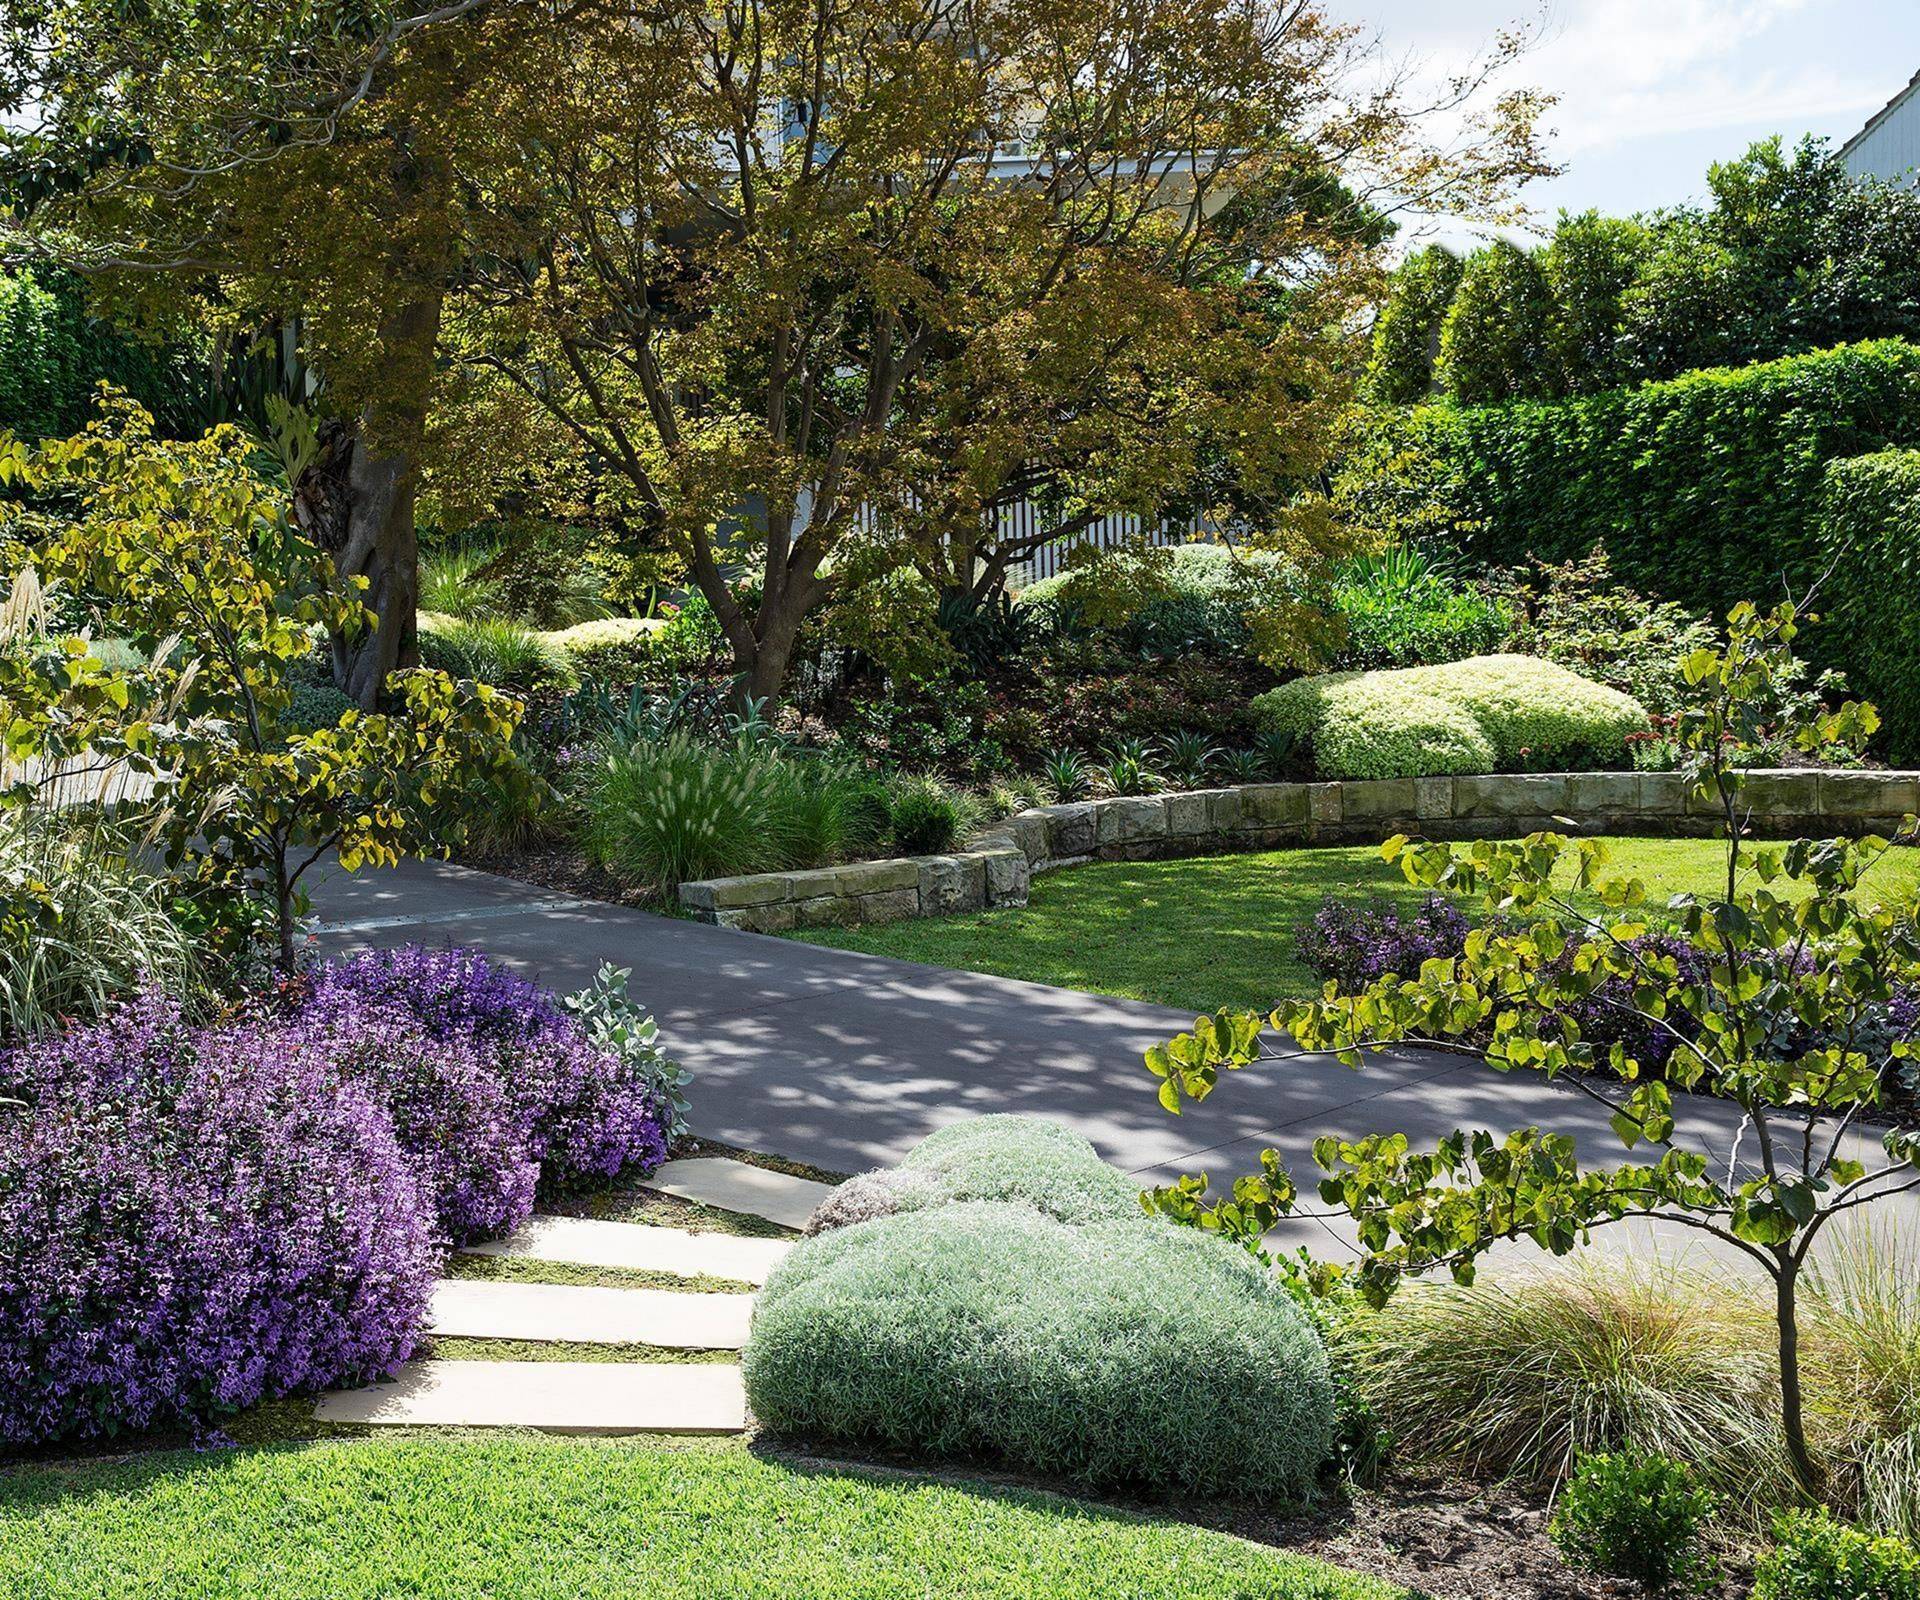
<point x="1652" y="91"/>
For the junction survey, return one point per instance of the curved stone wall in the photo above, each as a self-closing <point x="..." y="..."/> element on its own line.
<point x="997" y="869"/>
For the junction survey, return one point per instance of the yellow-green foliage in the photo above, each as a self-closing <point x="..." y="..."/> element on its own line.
<point x="1486" y="714"/>
<point x="610" y="648"/>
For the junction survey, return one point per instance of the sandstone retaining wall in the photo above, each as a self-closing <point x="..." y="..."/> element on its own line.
<point x="997" y="868"/>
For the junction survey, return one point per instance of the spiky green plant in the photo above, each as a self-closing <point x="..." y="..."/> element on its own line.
<point x="80" y="925"/>
<point x="659" y="814"/>
<point x="1066" y="775"/>
<point x="1188" y="758"/>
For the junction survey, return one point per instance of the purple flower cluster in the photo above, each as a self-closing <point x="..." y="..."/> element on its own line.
<point x="1355" y="944"/>
<point x="581" y="1112"/>
<point x="193" y="1219"/>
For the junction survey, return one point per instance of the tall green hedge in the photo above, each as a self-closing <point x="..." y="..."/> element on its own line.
<point x="1706" y="489"/>
<point x="1870" y="539"/>
<point x="53" y="355"/>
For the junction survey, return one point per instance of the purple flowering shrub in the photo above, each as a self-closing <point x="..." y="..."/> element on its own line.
<point x="1356" y="943"/>
<point x="583" y="1111"/>
<point x="452" y="1114"/>
<point x="193" y="1220"/>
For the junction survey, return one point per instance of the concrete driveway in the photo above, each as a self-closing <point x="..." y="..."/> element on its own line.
<point x="845" y="1060"/>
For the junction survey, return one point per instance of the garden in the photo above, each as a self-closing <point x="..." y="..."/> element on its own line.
<point x="681" y="479"/>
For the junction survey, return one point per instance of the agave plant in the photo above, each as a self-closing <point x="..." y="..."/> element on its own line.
<point x="1128" y="768"/>
<point x="1398" y="569"/>
<point x="1066" y="775"/>
<point x="1242" y="766"/>
<point x="1275" y="752"/>
<point x="1188" y="758"/>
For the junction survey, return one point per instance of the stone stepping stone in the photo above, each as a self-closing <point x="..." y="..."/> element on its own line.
<point x="477" y="1309"/>
<point x="554" y="1396"/>
<point x="741" y="1186"/>
<point x="586" y="1242"/>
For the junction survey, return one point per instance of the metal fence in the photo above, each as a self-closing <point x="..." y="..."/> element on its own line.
<point x="1021" y="521"/>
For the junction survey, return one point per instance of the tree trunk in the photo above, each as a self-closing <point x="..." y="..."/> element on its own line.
<point x="357" y="503"/>
<point x="1792" y="1401"/>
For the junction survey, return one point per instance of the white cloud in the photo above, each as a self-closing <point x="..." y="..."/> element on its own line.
<point x="1632" y="69"/>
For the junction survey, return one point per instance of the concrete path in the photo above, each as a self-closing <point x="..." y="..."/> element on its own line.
<point x="475" y="1308"/>
<point x="738" y="1186"/>
<point x="844" y="1061"/>
<point x="655" y="1396"/>
<point x="553" y="1396"/>
<point x="585" y="1242"/>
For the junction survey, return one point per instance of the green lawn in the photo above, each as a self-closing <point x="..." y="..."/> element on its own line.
<point x="530" y="1519"/>
<point x="1219" y="931"/>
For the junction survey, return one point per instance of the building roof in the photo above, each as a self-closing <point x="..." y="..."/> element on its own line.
<point x="1887" y="110"/>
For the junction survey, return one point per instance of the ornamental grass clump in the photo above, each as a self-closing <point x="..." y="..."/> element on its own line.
<point x="1115" y="1354"/>
<point x="195" y="1220"/>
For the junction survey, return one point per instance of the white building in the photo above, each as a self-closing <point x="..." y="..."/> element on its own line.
<point x="1889" y="145"/>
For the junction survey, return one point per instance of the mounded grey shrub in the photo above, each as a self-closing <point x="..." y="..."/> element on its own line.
<point x="1114" y="1353"/>
<point x="877" y="1194"/>
<point x="1029" y="1161"/>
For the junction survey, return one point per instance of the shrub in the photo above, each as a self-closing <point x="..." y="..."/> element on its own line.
<point x="449" y="1100"/>
<point x="586" y="1111"/>
<point x="1487" y="714"/>
<point x="614" y="1021"/>
<point x="508" y="655"/>
<point x="1029" y="1161"/>
<point x="80" y="926"/>
<point x="1870" y="544"/>
<point x="1120" y="1353"/>
<point x="1637" y="1517"/>
<point x="611" y="649"/>
<point x="1169" y="601"/>
<point x="1355" y="942"/>
<point x="1817" y="1558"/>
<point x="877" y="1194"/>
<point x="195" y="1221"/>
<point x="1706" y="489"/>
<point x="926" y="816"/>
<point x="1579" y="615"/>
<point x="1357" y="727"/>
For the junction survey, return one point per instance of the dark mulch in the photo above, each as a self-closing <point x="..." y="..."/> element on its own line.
<point x="564" y="869"/>
<point x="1448" y="1538"/>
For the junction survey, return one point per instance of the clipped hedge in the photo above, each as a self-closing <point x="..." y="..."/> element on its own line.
<point x="54" y="355"/>
<point x="1707" y="489"/>
<point x="611" y="649"/>
<point x="1496" y="713"/>
<point x="1118" y="1353"/>
<point x="1870" y="543"/>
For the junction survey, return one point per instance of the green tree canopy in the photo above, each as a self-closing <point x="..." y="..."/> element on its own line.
<point x="1406" y="335"/>
<point x="1497" y="340"/>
